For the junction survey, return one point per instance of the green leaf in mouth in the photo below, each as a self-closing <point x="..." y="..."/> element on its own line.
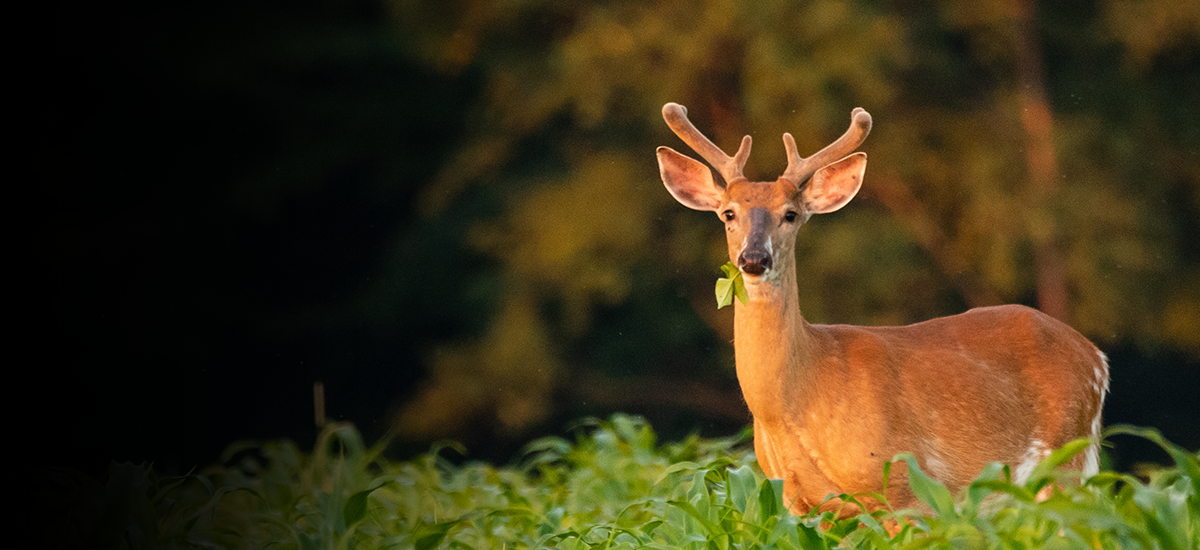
<point x="731" y="285"/>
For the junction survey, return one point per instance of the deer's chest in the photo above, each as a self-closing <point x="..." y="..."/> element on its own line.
<point x="833" y="441"/>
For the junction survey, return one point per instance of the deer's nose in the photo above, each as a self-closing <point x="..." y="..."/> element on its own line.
<point x="754" y="262"/>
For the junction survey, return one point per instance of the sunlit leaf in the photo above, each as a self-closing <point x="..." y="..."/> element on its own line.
<point x="741" y="486"/>
<point x="430" y="536"/>
<point x="731" y="285"/>
<point x="768" y="500"/>
<point x="926" y="489"/>
<point x="711" y="529"/>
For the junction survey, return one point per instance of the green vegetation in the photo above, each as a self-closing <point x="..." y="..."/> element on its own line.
<point x="615" y="486"/>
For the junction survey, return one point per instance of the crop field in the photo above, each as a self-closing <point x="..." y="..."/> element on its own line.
<point x="613" y="486"/>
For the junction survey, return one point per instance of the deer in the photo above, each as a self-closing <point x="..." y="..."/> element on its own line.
<point x="832" y="403"/>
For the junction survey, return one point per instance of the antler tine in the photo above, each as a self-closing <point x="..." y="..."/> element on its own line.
<point x="800" y="169"/>
<point x="729" y="167"/>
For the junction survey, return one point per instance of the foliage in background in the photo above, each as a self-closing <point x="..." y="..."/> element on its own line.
<point x="590" y="255"/>
<point x="614" y="487"/>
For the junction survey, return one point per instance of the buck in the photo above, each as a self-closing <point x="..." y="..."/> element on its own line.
<point x="832" y="403"/>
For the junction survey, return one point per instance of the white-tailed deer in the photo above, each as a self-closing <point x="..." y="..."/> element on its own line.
<point x="831" y="403"/>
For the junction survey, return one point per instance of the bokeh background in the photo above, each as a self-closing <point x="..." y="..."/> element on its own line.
<point x="449" y="213"/>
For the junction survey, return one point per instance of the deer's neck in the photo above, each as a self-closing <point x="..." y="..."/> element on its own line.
<point x="772" y="344"/>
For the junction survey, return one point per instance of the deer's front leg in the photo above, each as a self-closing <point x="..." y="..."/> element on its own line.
<point x="804" y="486"/>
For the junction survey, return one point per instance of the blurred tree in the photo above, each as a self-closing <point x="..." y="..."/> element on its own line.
<point x="1044" y="154"/>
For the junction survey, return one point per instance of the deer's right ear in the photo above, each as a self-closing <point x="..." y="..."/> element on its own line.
<point x="834" y="185"/>
<point x="689" y="181"/>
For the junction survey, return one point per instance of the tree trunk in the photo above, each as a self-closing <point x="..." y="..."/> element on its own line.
<point x="1042" y="164"/>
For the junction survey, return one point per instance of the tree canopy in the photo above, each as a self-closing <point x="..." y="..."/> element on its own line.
<point x="1034" y="153"/>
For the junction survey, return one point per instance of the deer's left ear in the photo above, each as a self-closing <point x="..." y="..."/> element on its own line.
<point x="835" y="184"/>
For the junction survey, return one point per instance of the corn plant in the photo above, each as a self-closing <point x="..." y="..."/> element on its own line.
<point x="615" y="487"/>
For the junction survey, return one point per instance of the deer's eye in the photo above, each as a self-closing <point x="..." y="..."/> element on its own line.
<point x="790" y="216"/>
<point x="728" y="215"/>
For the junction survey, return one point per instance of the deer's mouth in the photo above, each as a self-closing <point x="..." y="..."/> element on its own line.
<point x="754" y="278"/>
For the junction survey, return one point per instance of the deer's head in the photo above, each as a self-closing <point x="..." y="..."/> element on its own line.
<point x="761" y="218"/>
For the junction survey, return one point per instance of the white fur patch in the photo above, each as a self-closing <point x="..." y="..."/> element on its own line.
<point x="1102" y="373"/>
<point x="1091" y="457"/>
<point x="1091" y="460"/>
<point x="936" y="467"/>
<point x="1035" y="453"/>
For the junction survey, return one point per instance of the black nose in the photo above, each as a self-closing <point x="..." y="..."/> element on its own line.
<point x="754" y="262"/>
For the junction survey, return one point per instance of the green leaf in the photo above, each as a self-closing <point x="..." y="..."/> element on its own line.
<point x="710" y="528"/>
<point x="426" y="537"/>
<point x="741" y="486"/>
<point x="739" y="289"/>
<point x="982" y="488"/>
<point x="732" y="284"/>
<point x="925" y="488"/>
<point x="724" y="292"/>
<point x="768" y="501"/>
<point x="356" y="505"/>
<point x="676" y="467"/>
<point x="811" y="536"/>
<point x="1188" y="464"/>
<point x="356" y="508"/>
<point x="979" y="488"/>
<point x="729" y="269"/>
<point x="873" y="532"/>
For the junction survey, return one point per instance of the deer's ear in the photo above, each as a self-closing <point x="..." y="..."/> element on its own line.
<point x="835" y="184"/>
<point x="689" y="181"/>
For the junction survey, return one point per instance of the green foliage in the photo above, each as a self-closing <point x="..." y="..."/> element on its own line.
<point x="732" y="284"/>
<point x="615" y="486"/>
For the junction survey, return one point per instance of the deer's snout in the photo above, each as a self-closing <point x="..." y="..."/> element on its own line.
<point x="755" y="258"/>
<point x="754" y="262"/>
